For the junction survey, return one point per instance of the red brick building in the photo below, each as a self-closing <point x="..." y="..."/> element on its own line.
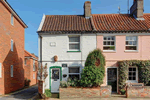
<point x="12" y="30"/>
<point x="30" y="67"/>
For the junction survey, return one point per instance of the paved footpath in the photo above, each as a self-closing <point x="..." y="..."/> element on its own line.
<point x="112" y="98"/>
<point x="23" y="94"/>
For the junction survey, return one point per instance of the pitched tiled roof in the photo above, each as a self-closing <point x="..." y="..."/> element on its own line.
<point x="98" y="23"/>
<point x="66" y="23"/>
<point x="27" y="54"/>
<point x="120" y="22"/>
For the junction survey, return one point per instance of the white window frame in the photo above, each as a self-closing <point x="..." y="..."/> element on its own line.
<point x="74" y="42"/>
<point x="12" y="19"/>
<point x="12" y="44"/>
<point x="131" y="45"/>
<point x="110" y="43"/>
<point x="0" y="70"/>
<point x="74" y="73"/>
<point x="33" y="65"/>
<point x="133" y="81"/>
<point x="11" y="71"/>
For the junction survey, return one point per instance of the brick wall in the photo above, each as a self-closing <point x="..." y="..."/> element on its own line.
<point x="138" y="92"/>
<point x="103" y="92"/>
<point x="29" y="70"/>
<point x="7" y="57"/>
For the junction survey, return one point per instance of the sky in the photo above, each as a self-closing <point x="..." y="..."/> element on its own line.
<point x="31" y="12"/>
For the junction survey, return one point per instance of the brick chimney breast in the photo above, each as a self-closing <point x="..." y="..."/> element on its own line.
<point x="137" y="9"/>
<point x="87" y="9"/>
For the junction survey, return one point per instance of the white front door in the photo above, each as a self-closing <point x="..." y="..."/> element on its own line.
<point x="55" y="80"/>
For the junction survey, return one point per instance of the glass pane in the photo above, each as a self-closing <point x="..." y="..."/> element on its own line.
<point x="112" y="43"/>
<point x="134" y="78"/>
<point x="113" y="38"/>
<point x="109" y="48"/>
<point x="104" y="43"/>
<point x="130" y="43"/>
<point x="74" y="76"/>
<point x="109" y="38"/>
<point x="130" y="73"/>
<point x="74" y="46"/>
<point x="130" y="78"/>
<point x="74" y="39"/>
<point x="134" y="74"/>
<point x="74" y="70"/>
<point x="127" y="38"/>
<point x="127" y="43"/>
<point x="134" y="69"/>
<point x="55" y="73"/>
<point x="131" y="48"/>
<point x="105" y="38"/>
<point x="134" y="38"/>
<point x="134" y="42"/>
<point x="130" y="69"/>
<point x="108" y="43"/>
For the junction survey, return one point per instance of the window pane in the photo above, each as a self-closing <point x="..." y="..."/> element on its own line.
<point x="134" y="73"/>
<point x="74" y="39"/>
<point x="127" y="38"/>
<point x="134" y="38"/>
<point x="104" y="43"/>
<point x="130" y="43"/>
<point x="74" y="76"/>
<point x="131" y="48"/>
<point x="74" y="70"/>
<point x="108" y="43"/>
<point x="105" y="38"/>
<point x="55" y="73"/>
<point x="112" y="43"/>
<point x="134" y="42"/>
<point x="134" y="69"/>
<point x="113" y="38"/>
<point x="127" y="43"/>
<point x="130" y="69"/>
<point x="130" y="73"/>
<point x="130" y="78"/>
<point x="74" y="46"/>
<point x="134" y="78"/>
<point x="109" y="38"/>
<point x="109" y="48"/>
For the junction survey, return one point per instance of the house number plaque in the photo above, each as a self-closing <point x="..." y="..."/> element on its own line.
<point x="64" y="65"/>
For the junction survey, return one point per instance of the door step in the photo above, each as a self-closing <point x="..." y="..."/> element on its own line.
<point x="118" y="95"/>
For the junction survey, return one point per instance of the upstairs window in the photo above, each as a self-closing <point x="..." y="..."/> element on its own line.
<point x="12" y="45"/>
<point x="12" y="19"/>
<point x="109" y="43"/>
<point x="131" y="42"/>
<point x="33" y="65"/>
<point x="74" y="43"/>
<point x="11" y="70"/>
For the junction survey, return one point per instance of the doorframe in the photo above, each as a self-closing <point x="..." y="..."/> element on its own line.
<point x="50" y="74"/>
<point x="107" y="76"/>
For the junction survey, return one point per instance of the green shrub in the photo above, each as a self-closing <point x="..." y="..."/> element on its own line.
<point x="63" y="84"/>
<point x="47" y="93"/>
<point x="123" y="91"/>
<point x="94" y="70"/>
<point x="73" y="82"/>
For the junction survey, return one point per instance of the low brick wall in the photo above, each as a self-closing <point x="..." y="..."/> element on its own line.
<point x="138" y="92"/>
<point x="70" y="93"/>
<point x="105" y="91"/>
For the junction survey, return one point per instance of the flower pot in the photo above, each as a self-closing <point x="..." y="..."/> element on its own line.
<point x="55" y="58"/>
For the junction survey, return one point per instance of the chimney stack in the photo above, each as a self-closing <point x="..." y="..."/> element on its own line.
<point x="137" y="9"/>
<point x="87" y="9"/>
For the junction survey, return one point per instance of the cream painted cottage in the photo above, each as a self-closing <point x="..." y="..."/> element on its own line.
<point x="72" y="37"/>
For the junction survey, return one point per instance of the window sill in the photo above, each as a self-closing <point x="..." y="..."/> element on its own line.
<point x="109" y="51"/>
<point x="131" y="81"/>
<point x="73" y="51"/>
<point x="132" y="51"/>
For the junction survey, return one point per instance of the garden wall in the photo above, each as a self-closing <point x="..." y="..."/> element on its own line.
<point x="102" y="92"/>
<point x="138" y="92"/>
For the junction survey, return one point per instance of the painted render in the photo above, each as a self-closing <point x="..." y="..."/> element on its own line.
<point x="120" y="54"/>
<point x="87" y="44"/>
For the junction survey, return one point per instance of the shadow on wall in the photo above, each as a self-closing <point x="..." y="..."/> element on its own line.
<point x="14" y="58"/>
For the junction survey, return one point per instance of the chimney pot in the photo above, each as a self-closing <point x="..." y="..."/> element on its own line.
<point x="87" y="9"/>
